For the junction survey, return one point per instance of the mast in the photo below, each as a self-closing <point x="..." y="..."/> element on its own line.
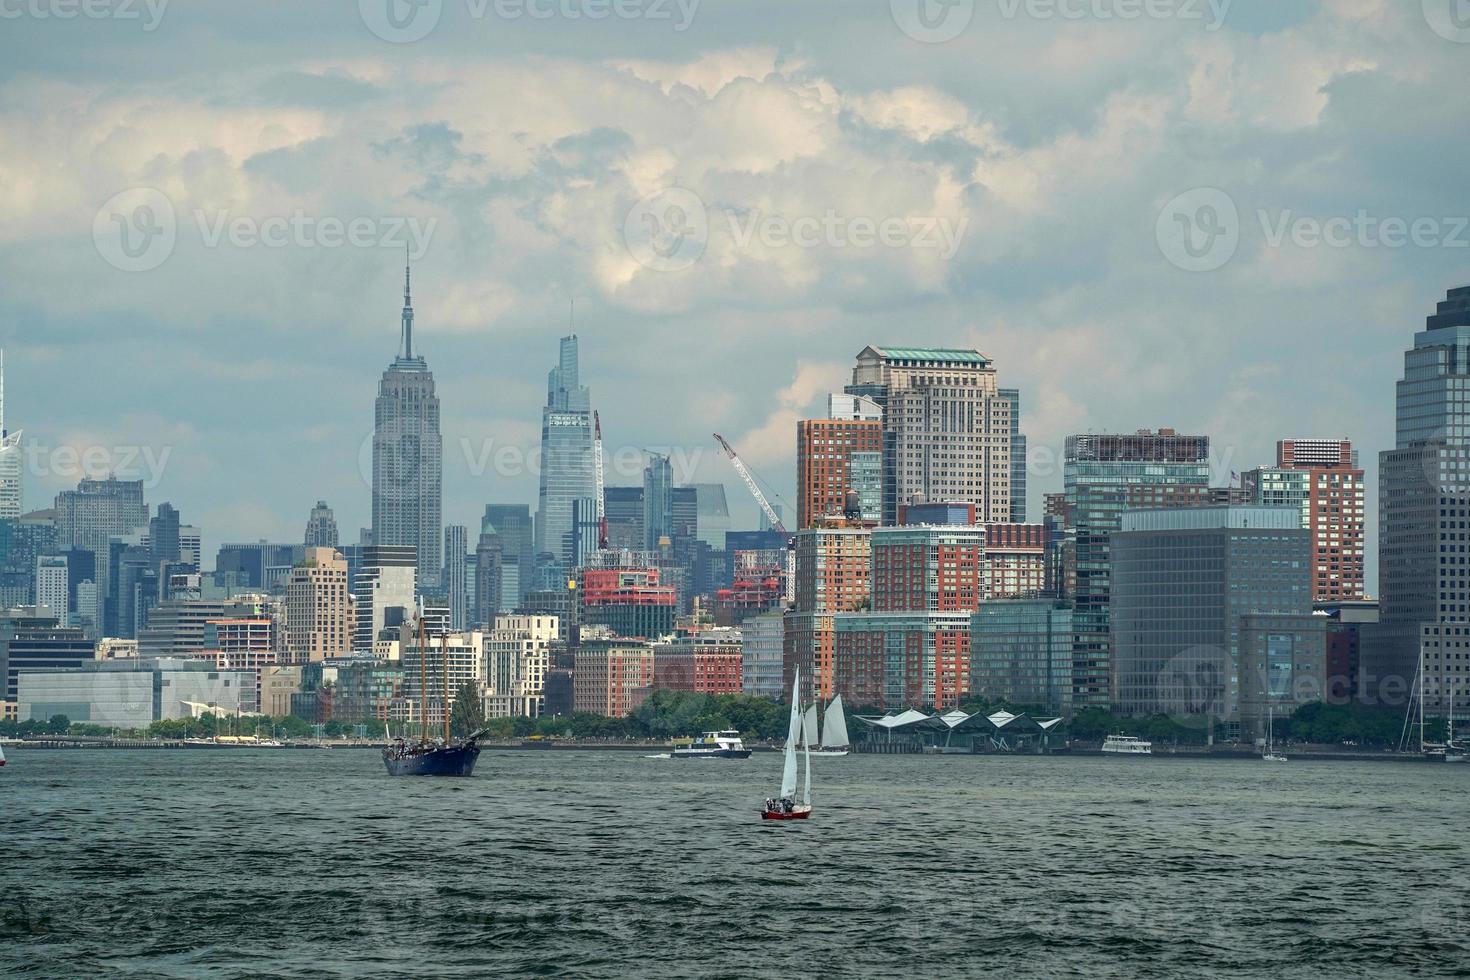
<point x="423" y="685"/>
<point x="1421" y="695"/>
<point x="444" y="645"/>
<point x="806" y="794"/>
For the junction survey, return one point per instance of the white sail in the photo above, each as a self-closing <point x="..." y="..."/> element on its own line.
<point x="834" y="726"/>
<point x="806" y="794"/>
<point x="809" y="725"/>
<point x="793" y="732"/>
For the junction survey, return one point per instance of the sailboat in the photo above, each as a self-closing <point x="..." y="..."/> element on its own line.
<point x="834" y="731"/>
<point x="432" y="757"/>
<point x="1270" y="754"/>
<point x="2" y="755"/>
<point x="785" y="807"/>
<point x="1454" y="751"/>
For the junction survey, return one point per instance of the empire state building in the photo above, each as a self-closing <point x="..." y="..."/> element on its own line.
<point x="408" y="456"/>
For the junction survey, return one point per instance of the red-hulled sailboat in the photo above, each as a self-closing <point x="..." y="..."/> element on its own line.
<point x="785" y="807"/>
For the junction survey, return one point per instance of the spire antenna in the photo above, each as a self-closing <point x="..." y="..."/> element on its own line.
<point x="407" y="305"/>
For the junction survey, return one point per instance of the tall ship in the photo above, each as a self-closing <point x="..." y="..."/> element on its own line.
<point x="713" y="745"/>
<point x="426" y="756"/>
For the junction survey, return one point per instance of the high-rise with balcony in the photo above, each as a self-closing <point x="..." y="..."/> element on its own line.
<point x="1103" y="476"/>
<point x="947" y="428"/>
<point x="1322" y="480"/>
<point x="1424" y="519"/>
<point x="408" y="456"/>
<point x="567" y="470"/>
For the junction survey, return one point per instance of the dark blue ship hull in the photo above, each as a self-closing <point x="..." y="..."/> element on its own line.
<point x="449" y="760"/>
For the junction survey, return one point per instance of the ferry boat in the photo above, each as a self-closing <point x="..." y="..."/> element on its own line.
<point x="713" y="745"/>
<point x="1127" y="745"/>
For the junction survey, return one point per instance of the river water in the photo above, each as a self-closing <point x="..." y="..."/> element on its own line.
<point x="315" y="863"/>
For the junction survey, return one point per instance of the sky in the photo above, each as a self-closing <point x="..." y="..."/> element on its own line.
<point x="1228" y="218"/>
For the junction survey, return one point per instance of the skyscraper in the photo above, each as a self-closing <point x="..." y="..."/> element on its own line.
<point x="1018" y="457"/>
<point x="824" y="457"/>
<point x="456" y="549"/>
<point x="1424" y="510"/>
<point x="10" y="461"/>
<point x="319" y="614"/>
<point x="567" y="471"/>
<point x="384" y="592"/>
<point x="658" y="501"/>
<point x="1105" y="475"/>
<point x="408" y="456"/>
<point x="947" y="429"/>
<point x="1322" y="480"/>
<point x="489" y="574"/>
<point x="321" y="527"/>
<point x="517" y="550"/>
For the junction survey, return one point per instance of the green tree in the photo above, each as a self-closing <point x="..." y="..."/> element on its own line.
<point x="58" y="725"/>
<point x="467" y="715"/>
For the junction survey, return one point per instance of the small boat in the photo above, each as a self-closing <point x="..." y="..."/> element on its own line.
<point x="713" y="745"/>
<point x="1270" y="754"/>
<point x="2" y="755"/>
<point x="1127" y="745"/>
<point x="834" y="741"/>
<point x="785" y="806"/>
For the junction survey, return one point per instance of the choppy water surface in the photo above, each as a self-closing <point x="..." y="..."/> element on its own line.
<point x="315" y="863"/>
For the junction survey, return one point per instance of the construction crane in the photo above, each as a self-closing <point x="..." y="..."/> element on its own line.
<point x="597" y="472"/>
<point x="755" y="491"/>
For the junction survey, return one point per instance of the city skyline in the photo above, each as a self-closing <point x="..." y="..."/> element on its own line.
<point x="1060" y="280"/>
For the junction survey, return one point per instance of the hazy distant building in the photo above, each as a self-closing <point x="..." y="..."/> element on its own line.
<point x="517" y="550"/>
<point x="11" y="503"/>
<point x="489" y="575"/>
<point x="321" y="527"/>
<point x="713" y="514"/>
<point x="408" y="457"/>
<point x="623" y="507"/>
<point x="319" y="614"/>
<point x="51" y="585"/>
<point x="95" y="512"/>
<point x="567" y="471"/>
<point x="658" y="502"/>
